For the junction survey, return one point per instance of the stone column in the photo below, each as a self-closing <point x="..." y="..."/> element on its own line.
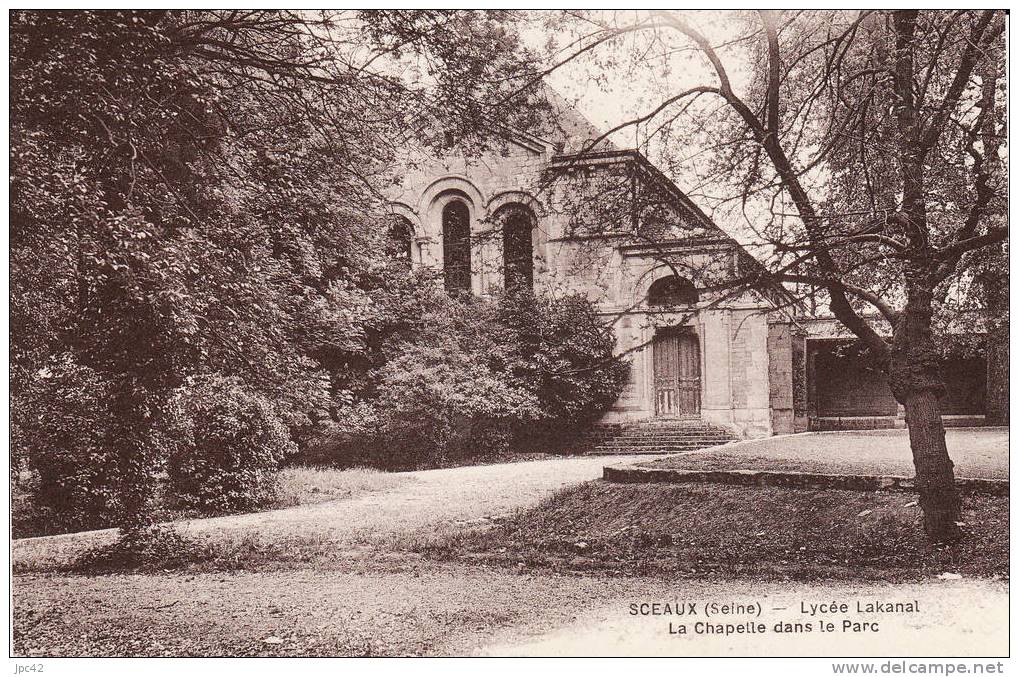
<point x="716" y="400"/>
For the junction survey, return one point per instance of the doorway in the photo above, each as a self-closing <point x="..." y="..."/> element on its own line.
<point x="677" y="373"/>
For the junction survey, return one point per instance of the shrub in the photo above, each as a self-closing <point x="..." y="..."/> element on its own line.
<point x="234" y="442"/>
<point x="61" y="421"/>
<point x="442" y="404"/>
<point x="477" y="377"/>
<point x="563" y="353"/>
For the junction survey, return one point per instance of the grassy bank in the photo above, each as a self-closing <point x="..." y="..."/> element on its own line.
<point x="736" y="532"/>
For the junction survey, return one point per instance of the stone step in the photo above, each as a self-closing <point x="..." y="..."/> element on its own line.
<point x="659" y="437"/>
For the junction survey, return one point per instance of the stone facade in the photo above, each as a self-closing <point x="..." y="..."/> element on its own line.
<point x="608" y="225"/>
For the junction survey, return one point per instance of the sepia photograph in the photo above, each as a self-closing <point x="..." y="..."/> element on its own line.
<point x="509" y="332"/>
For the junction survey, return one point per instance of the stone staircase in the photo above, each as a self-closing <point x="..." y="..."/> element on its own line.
<point x="658" y="436"/>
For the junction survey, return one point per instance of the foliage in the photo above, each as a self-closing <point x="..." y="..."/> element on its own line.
<point x="62" y="418"/>
<point x="472" y="63"/>
<point x="232" y="443"/>
<point x="197" y="193"/>
<point x="69" y="424"/>
<point x="447" y="396"/>
<point x="564" y="354"/>
<point x="477" y="377"/>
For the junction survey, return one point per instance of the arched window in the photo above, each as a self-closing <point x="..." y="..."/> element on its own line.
<point x="456" y="246"/>
<point x="399" y="237"/>
<point x="517" y="247"/>
<point x="670" y="291"/>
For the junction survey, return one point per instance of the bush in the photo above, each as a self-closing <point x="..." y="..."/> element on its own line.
<point x="477" y="378"/>
<point x="151" y="548"/>
<point x="563" y="353"/>
<point x="61" y="421"/>
<point x="445" y="404"/>
<point x="440" y="398"/>
<point x="233" y="443"/>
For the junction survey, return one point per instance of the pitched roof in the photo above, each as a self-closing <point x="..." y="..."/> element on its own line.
<point x="565" y="126"/>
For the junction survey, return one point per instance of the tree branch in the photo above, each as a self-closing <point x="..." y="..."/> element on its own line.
<point x="873" y="299"/>
<point x="962" y="75"/>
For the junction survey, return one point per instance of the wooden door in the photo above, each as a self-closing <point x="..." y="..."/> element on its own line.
<point x="677" y="367"/>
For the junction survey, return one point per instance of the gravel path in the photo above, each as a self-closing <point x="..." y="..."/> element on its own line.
<point x="434" y="502"/>
<point x="977" y="453"/>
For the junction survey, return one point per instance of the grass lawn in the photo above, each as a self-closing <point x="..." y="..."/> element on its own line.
<point x="298" y="485"/>
<point x="736" y="533"/>
<point x="304" y="485"/>
<point x="977" y="452"/>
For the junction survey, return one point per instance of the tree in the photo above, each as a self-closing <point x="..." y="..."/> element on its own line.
<point x="197" y="193"/>
<point x="862" y="149"/>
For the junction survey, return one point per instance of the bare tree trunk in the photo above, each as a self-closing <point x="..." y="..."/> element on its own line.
<point x="915" y="377"/>
<point x="996" y="410"/>
<point x="914" y="370"/>
<point x="935" y="476"/>
<point x="134" y="466"/>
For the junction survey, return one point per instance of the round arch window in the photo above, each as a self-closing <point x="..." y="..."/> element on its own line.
<point x="456" y="246"/>
<point x="672" y="290"/>
<point x="517" y="223"/>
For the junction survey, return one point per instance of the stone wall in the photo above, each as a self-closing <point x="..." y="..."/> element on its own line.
<point x="507" y="175"/>
<point x="844" y="384"/>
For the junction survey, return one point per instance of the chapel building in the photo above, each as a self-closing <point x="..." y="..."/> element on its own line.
<point x="562" y="212"/>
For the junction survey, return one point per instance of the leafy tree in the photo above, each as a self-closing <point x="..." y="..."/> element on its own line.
<point x="861" y="149"/>
<point x="70" y="414"/>
<point x="198" y="193"/>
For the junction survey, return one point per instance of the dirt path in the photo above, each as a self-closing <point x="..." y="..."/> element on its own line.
<point x="435" y="501"/>
<point x="420" y="607"/>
